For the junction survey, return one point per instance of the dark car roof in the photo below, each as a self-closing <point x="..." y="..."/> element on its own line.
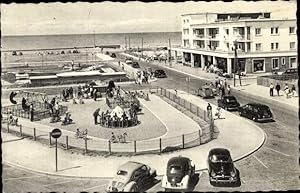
<point x="159" y="70"/>
<point x="219" y="151"/>
<point x="258" y="105"/>
<point x="178" y="161"/>
<point x="229" y="97"/>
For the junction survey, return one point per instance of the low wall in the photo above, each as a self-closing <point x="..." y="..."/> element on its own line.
<point x="274" y="79"/>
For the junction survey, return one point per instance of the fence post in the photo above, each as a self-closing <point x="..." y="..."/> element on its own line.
<point x="21" y="133"/>
<point x="34" y="134"/>
<point x="67" y="142"/>
<point x="183" y="103"/>
<point x="160" y="145"/>
<point x="199" y="136"/>
<point x="197" y="111"/>
<point x="183" y="141"/>
<point x="211" y="129"/>
<point x="134" y="144"/>
<point x="190" y="106"/>
<point x="50" y="139"/>
<point x="7" y="127"/>
<point x="109" y="147"/>
<point x="85" y="144"/>
<point x="204" y="115"/>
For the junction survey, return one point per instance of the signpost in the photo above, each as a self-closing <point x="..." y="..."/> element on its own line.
<point x="56" y="133"/>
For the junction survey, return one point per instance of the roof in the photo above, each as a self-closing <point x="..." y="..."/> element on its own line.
<point x="202" y="13"/>
<point x="130" y="166"/>
<point x="229" y="96"/>
<point x="219" y="151"/>
<point x="257" y="105"/>
<point x="178" y="161"/>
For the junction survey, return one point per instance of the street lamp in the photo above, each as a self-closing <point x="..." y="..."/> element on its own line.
<point x="235" y="61"/>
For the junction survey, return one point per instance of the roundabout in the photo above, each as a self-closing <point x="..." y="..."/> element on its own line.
<point x="241" y="138"/>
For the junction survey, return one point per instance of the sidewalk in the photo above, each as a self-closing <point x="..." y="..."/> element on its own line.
<point x="249" y="83"/>
<point x="241" y="141"/>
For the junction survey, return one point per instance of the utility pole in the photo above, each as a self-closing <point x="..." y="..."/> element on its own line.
<point x="235" y="61"/>
<point x="125" y="43"/>
<point x="170" y="51"/>
<point x="129" y="42"/>
<point x="142" y="46"/>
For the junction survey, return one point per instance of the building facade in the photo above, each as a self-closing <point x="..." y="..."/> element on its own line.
<point x="263" y="44"/>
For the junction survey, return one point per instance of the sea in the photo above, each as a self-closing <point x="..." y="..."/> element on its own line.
<point x="151" y="39"/>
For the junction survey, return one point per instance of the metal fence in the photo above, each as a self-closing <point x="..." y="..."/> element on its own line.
<point x="41" y="110"/>
<point x="68" y="140"/>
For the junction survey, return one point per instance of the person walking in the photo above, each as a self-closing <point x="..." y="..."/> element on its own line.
<point x="96" y="114"/>
<point x="286" y="90"/>
<point x="228" y="89"/>
<point x="293" y="90"/>
<point x="277" y="88"/>
<point x="271" y="89"/>
<point x="209" y="111"/>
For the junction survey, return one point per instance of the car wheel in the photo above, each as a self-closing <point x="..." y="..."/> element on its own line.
<point x="134" y="188"/>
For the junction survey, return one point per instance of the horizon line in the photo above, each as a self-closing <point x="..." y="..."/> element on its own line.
<point x="9" y="35"/>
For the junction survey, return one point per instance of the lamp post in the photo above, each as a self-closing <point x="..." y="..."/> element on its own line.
<point x="235" y="61"/>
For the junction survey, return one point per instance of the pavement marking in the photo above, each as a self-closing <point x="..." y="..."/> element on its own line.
<point x="64" y="182"/>
<point x="260" y="161"/>
<point x="20" y="178"/>
<point x="277" y="151"/>
<point x="95" y="187"/>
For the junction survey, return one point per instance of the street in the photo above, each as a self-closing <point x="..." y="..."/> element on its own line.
<point x="272" y="167"/>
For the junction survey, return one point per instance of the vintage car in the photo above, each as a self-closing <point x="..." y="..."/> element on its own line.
<point x="132" y="177"/>
<point x="179" y="174"/>
<point x="256" y="112"/>
<point x="220" y="167"/>
<point x="159" y="73"/>
<point x="135" y="65"/>
<point x="205" y="92"/>
<point x="113" y="55"/>
<point x="228" y="103"/>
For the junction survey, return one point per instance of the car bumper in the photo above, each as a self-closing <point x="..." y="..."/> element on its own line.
<point x="265" y="119"/>
<point x="175" y="187"/>
<point x="222" y="179"/>
<point x="233" y="108"/>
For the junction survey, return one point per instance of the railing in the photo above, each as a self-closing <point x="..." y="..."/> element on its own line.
<point x="68" y="140"/>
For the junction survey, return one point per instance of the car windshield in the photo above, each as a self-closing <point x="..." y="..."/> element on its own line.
<point x="122" y="173"/>
<point x="263" y="109"/>
<point x="175" y="169"/>
<point x="230" y="100"/>
<point x="220" y="158"/>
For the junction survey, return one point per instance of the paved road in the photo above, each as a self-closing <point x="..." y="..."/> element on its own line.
<point x="274" y="167"/>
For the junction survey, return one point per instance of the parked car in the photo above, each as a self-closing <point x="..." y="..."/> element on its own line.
<point x="228" y="103"/>
<point x="179" y="174"/>
<point x="113" y="55"/>
<point x="135" y="65"/>
<point x="290" y="71"/>
<point x="159" y="73"/>
<point x="256" y="112"/>
<point x="205" y="92"/>
<point x="220" y="167"/>
<point x="132" y="177"/>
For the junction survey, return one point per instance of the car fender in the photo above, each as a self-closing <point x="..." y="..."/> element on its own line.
<point x="164" y="181"/>
<point x="185" y="181"/>
<point x="152" y="172"/>
<point x="128" y="187"/>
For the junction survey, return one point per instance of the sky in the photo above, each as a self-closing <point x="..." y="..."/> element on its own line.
<point x="111" y="17"/>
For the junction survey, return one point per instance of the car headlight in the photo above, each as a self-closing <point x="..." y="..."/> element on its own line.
<point x="213" y="174"/>
<point x="232" y="174"/>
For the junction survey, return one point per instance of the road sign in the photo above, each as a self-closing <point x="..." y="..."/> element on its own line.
<point x="56" y="133"/>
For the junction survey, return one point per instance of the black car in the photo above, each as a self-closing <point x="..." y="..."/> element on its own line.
<point x="256" y="112"/>
<point x="290" y="71"/>
<point x="135" y="65"/>
<point x="220" y="167"/>
<point x="228" y="103"/>
<point x="113" y="55"/>
<point x="160" y="73"/>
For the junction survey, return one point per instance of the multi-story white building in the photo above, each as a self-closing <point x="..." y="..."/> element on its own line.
<point x="263" y="44"/>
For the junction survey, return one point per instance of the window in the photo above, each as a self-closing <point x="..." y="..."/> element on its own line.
<point x="227" y="31"/>
<point x="275" y="63"/>
<point x="258" y="65"/>
<point x="292" y="45"/>
<point x="258" y="47"/>
<point x="186" y="31"/>
<point x="293" y="62"/>
<point x="257" y="31"/>
<point x="187" y="20"/>
<point x="184" y="21"/>
<point x="282" y="61"/>
<point x="274" y="31"/>
<point x="292" y="30"/>
<point x="186" y="43"/>
<point x="274" y="46"/>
